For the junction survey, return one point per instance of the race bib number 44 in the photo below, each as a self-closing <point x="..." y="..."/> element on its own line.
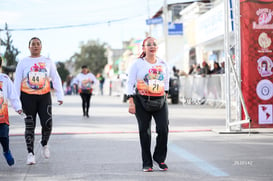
<point x="37" y="79"/>
<point x="155" y="86"/>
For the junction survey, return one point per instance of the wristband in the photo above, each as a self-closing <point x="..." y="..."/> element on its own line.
<point x="129" y="96"/>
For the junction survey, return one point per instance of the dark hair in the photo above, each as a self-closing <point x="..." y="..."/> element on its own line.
<point x="84" y="66"/>
<point x="1" y="61"/>
<point x="143" y="54"/>
<point x="33" y="38"/>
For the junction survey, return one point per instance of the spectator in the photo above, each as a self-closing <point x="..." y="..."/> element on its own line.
<point x="223" y="67"/>
<point x="192" y="69"/>
<point x="68" y="85"/>
<point x="101" y="80"/>
<point x="205" y="70"/>
<point x="216" y="68"/>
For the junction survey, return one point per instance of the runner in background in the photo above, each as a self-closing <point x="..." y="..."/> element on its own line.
<point x="85" y="81"/>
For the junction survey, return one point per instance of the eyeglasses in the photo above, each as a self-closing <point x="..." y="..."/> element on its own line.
<point x="151" y="44"/>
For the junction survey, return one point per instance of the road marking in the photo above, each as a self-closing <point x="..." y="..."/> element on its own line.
<point x="203" y="165"/>
<point x="113" y="132"/>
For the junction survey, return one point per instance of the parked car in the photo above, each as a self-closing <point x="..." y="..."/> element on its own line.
<point x="123" y="94"/>
<point x="174" y="90"/>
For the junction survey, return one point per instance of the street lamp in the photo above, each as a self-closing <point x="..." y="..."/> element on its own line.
<point x="165" y="28"/>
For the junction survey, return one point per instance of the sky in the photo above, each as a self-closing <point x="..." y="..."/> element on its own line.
<point x="107" y="21"/>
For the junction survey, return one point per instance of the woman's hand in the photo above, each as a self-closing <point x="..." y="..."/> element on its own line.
<point x="132" y="106"/>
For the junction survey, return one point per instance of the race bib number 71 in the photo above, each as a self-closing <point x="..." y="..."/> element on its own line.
<point x="155" y="86"/>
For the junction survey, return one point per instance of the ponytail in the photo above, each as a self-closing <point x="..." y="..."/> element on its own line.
<point x="142" y="55"/>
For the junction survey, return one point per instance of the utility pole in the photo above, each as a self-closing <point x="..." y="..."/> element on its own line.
<point x="227" y="66"/>
<point x="148" y="11"/>
<point x="165" y="28"/>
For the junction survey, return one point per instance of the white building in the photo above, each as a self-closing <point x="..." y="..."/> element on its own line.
<point x="202" y="37"/>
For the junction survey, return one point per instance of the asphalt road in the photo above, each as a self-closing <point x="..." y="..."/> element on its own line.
<point x="106" y="146"/>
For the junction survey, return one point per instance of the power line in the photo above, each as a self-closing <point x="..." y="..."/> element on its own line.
<point x="70" y="26"/>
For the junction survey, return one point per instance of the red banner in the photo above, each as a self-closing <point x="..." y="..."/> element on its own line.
<point x="257" y="60"/>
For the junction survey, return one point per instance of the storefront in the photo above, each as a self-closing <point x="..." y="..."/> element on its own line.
<point x="210" y="35"/>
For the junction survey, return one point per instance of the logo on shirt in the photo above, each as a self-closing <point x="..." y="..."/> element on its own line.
<point x="37" y="76"/>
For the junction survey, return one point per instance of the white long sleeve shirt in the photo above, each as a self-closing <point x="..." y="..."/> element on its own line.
<point x="33" y="76"/>
<point x="7" y="93"/>
<point x="85" y="82"/>
<point x="149" y="79"/>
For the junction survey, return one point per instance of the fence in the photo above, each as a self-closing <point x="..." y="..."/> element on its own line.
<point x="196" y="89"/>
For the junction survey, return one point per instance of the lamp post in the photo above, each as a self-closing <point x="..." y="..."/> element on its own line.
<point x="148" y="11"/>
<point x="165" y="28"/>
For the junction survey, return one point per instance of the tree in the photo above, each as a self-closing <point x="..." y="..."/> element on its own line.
<point x="93" y="55"/>
<point x="63" y="72"/>
<point x="10" y="53"/>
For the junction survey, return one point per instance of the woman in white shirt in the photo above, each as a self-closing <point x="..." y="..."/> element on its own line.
<point x="32" y="82"/>
<point x="147" y="89"/>
<point x="85" y="81"/>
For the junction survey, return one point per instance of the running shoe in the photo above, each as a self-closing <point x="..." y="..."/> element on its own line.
<point x="162" y="166"/>
<point x="31" y="159"/>
<point x="147" y="169"/>
<point x="45" y="152"/>
<point x="9" y="158"/>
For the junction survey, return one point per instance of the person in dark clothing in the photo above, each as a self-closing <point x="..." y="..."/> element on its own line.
<point x="101" y="80"/>
<point x="216" y="68"/>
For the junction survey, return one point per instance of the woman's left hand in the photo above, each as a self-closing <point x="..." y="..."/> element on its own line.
<point x="132" y="108"/>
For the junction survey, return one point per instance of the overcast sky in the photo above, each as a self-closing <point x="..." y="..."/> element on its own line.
<point x="105" y="20"/>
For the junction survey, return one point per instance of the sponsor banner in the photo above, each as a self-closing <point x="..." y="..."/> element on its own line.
<point x="265" y="114"/>
<point x="257" y="60"/>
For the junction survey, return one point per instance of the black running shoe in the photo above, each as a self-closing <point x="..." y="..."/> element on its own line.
<point x="162" y="166"/>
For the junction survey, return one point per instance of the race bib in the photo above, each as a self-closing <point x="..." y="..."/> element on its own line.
<point x="37" y="79"/>
<point x="155" y="86"/>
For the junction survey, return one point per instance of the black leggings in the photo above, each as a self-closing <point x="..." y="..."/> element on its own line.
<point x="162" y="128"/>
<point x="85" y="103"/>
<point x="33" y="104"/>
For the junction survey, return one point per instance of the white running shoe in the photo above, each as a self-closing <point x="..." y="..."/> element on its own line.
<point x="45" y="152"/>
<point x="31" y="159"/>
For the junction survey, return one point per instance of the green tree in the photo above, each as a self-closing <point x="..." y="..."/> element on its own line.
<point x="10" y="53"/>
<point x="93" y="55"/>
<point x="63" y="72"/>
